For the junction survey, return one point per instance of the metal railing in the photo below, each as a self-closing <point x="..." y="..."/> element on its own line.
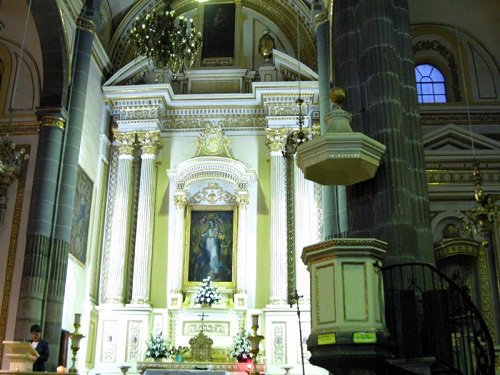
<point x="428" y="315"/>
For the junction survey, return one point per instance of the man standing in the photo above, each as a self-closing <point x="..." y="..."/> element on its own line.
<point x="41" y="346"/>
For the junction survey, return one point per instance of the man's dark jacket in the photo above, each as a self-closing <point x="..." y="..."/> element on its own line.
<point x="43" y="350"/>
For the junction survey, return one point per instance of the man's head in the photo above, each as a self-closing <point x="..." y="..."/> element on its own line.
<point x="36" y="332"/>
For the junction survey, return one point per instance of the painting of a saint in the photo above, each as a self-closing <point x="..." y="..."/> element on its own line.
<point x="218" y="31"/>
<point x="211" y="240"/>
<point x="81" y="217"/>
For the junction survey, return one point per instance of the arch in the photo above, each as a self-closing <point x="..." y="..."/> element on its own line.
<point x="6" y="68"/>
<point x="54" y="53"/>
<point x="448" y="56"/>
<point x="280" y="12"/>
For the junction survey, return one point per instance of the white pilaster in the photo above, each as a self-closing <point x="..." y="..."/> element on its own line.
<point x="278" y="251"/>
<point x="120" y="220"/>
<point x="175" y="254"/>
<point x="145" y="215"/>
<point x="241" y="282"/>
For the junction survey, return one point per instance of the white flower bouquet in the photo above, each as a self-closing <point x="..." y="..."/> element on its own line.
<point x="157" y="347"/>
<point x="241" y="347"/>
<point x="207" y="293"/>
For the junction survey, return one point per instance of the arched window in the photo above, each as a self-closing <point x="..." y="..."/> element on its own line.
<point x="430" y="84"/>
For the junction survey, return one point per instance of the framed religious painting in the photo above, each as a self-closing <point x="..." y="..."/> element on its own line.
<point x="81" y="217"/>
<point x="210" y="245"/>
<point x="218" y="46"/>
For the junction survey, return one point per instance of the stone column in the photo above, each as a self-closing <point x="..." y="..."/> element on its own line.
<point x="40" y="222"/>
<point x="175" y="260"/>
<point x="373" y="63"/>
<point x="278" y="246"/>
<point x="114" y="288"/>
<point x="149" y="142"/>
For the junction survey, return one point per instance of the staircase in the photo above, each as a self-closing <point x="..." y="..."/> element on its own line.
<point x="434" y="326"/>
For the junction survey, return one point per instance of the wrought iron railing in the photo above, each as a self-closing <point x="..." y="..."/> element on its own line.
<point x="428" y="315"/>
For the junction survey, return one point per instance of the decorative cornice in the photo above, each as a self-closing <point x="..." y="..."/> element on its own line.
<point x="213" y="193"/>
<point x="455" y="247"/>
<point x="24" y="129"/>
<point x="459" y="118"/>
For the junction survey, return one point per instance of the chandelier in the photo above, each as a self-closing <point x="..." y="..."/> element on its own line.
<point x="170" y="42"/>
<point x="487" y="210"/>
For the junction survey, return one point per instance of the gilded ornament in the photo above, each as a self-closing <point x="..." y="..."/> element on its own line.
<point x="276" y="138"/>
<point x="149" y="141"/>
<point x="52" y="121"/>
<point x="125" y="142"/>
<point x="266" y="45"/>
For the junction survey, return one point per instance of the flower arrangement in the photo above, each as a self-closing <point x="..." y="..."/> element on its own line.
<point x="207" y="293"/>
<point x="10" y="156"/>
<point x="240" y="348"/>
<point x="157" y="347"/>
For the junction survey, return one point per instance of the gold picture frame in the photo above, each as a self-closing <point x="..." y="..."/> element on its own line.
<point x="210" y="245"/>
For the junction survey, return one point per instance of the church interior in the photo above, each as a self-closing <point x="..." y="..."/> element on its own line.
<point x="314" y="184"/>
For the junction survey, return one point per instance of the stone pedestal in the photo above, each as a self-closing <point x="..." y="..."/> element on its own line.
<point x="347" y="317"/>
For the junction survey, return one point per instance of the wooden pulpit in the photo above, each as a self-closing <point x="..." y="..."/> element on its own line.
<point x="21" y="355"/>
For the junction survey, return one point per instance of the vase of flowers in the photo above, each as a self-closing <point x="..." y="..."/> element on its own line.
<point x="240" y="348"/>
<point x="207" y="294"/>
<point x="156" y="347"/>
<point x="177" y="352"/>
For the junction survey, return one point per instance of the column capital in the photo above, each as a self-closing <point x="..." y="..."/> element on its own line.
<point x="125" y="142"/>
<point x="320" y="18"/>
<point x="149" y="141"/>
<point x="242" y="199"/>
<point x="52" y="121"/>
<point x="180" y="200"/>
<point x="276" y="138"/>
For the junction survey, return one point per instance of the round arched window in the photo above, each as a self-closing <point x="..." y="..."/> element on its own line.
<point x="431" y="86"/>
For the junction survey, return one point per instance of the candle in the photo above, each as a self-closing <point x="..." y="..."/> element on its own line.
<point x="61" y="370"/>
<point x="77" y="318"/>
<point x="255" y="320"/>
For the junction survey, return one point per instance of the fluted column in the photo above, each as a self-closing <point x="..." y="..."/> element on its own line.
<point x="307" y="228"/>
<point x="241" y="282"/>
<point x="279" y="282"/>
<point x="148" y="141"/>
<point x="120" y="220"/>
<point x="175" y="256"/>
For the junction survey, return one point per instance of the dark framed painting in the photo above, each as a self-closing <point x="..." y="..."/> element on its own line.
<point x="218" y="31"/>
<point x="210" y="245"/>
<point x="81" y="217"/>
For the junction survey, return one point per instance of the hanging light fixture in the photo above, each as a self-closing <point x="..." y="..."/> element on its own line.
<point x="487" y="211"/>
<point x="170" y="42"/>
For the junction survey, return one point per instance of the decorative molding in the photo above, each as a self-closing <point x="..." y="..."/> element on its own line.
<point x="12" y="249"/>
<point x="279" y="340"/>
<point x="455" y="247"/>
<point x="458" y="118"/>
<point x="213" y="193"/>
<point x="212" y="328"/>
<point x="213" y="142"/>
<point x="109" y="340"/>
<point x="133" y="340"/>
